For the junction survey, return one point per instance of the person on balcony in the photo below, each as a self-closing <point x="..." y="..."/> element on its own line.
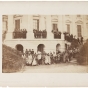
<point x="65" y="35"/>
<point x="59" y="35"/>
<point x="21" y="33"/>
<point x="81" y="40"/>
<point x="69" y="40"/>
<point x="34" y="31"/>
<point x="37" y="33"/>
<point x="17" y="33"/>
<point x="25" y="31"/>
<point x="71" y="37"/>
<point x="14" y="34"/>
<point x="40" y="34"/>
<point x="78" y="40"/>
<point x="45" y="33"/>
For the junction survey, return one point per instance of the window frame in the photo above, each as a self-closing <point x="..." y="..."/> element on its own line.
<point x="68" y="28"/>
<point x="79" y="30"/>
<point x="36" y="24"/>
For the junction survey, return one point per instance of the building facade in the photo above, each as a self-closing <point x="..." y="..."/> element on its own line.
<point x="45" y="39"/>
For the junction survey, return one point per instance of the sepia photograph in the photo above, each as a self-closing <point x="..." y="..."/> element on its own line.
<point x="44" y="43"/>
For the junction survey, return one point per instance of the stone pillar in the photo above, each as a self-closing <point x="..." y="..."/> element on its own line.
<point x="85" y="30"/>
<point x="9" y="34"/>
<point x="25" y="22"/>
<point x="30" y="34"/>
<point x="49" y="27"/>
<point x="61" y="25"/>
<point x="74" y="30"/>
<point x="42" y="23"/>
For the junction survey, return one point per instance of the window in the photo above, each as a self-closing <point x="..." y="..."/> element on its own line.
<point x="54" y="26"/>
<point x="79" y="30"/>
<point x="17" y="24"/>
<point x="68" y="28"/>
<point x="36" y="24"/>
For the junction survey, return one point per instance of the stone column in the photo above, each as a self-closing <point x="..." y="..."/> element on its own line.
<point x="85" y="30"/>
<point x="61" y="25"/>
<point x="25" y="22"/>
<point x="42" y="23"/>
<point x="74" y="30"/>
<point x="50" y="35"/>
<point x="30" y="34"/>
<point x="9" y="34"/>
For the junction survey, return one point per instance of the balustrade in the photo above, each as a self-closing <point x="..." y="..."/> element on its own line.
<point x="57" y="34"/>
<point x="19" y="34"/>
<point x="40" y="34"/>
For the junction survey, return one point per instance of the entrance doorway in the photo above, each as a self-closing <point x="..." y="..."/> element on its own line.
<point x="57" y="48"/>
<point x="19" y="47"/>
<point x="40" y="48"/>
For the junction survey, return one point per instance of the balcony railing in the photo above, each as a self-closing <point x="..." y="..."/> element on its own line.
<point x="57" y="34"/>
<point x="68" y="37"/>
<point x="17" y="34"/>
<point x="40" y="34"/>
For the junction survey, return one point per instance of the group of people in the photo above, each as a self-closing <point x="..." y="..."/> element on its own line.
<point x="57" y="35"/>
<point x="70" y="38"/>
<point x="39" y="33"/>
<point x="19" y="33"/>
<point x="33" y="59"/>
<point x="80" y="40"/>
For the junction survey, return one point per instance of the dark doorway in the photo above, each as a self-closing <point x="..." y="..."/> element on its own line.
<point x="19" y="47"/>
<point x="57" y="48"/>
<point x="40" y="47"/>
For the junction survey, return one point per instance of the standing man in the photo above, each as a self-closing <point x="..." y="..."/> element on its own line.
<point x="81" y="40"/>
<point x="39" y="57"/>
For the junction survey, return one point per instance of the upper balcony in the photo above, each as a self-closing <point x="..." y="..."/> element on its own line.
<point x="57" y="34"/>
<point x="20" y="34"/>
<point x="40" y="34"/>
<point x="68" y="37"/>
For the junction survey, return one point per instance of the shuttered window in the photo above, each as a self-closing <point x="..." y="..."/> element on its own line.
<point x="36" y="24"/>
<point x="54" y="26"/>
<point x="17" y="24"/>
<point x="68" y="28"/>
<point x="79" y="30"/>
